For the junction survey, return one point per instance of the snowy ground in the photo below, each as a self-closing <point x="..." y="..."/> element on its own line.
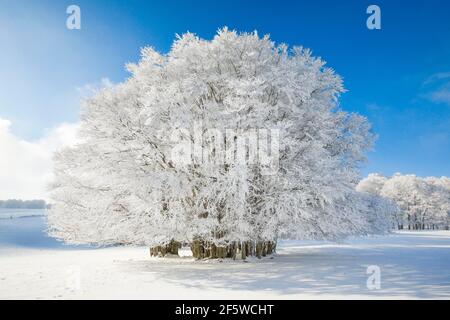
<point x="412" y="264"/>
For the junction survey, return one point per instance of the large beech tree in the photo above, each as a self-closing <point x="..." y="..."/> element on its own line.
<point x="165" y="156"/>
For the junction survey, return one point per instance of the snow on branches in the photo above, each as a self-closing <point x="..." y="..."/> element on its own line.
<point x="228" y="143"/>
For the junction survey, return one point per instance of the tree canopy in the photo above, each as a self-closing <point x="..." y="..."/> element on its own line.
<point x="225" y="140"/>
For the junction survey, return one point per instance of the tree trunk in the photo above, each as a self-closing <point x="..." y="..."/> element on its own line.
<point x="207" y="250"/>
<point x="161" y="251"/>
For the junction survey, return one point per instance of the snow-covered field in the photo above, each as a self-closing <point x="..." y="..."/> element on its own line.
<point x="412" y="265"/>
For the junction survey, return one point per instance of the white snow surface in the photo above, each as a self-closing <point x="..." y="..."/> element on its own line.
<point x="414" y="265"/>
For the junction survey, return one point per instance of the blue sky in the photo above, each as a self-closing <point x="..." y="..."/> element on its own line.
<point x="399" y="76"/>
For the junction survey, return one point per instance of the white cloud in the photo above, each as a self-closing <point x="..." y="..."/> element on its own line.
<point x="89" y="89"/>
<point x="441" y="84"/>
<point x="436" y="77"/>
<point x="26" y="166"/>
<point x="441" y="95"/>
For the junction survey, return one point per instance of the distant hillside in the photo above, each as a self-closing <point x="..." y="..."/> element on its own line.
<point x="23" y="204"/>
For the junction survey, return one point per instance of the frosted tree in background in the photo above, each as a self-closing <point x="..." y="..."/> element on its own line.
<point x="373" y="184"/>
<point x="226" y="145"/>
<point x="439" y="202"/>
<point x="422" y="202"/>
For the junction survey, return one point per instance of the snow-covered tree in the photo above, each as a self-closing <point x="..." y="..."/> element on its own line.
<point x="423" y="202"/>
<point x="226" y="145"/>
<point x="373" y="183"/>
<point x="439" y="202"/>
<point x="383" y="213"/>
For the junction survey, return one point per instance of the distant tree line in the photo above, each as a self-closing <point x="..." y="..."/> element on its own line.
<point x="422" y="203"/>
<point x="23" y="204"/>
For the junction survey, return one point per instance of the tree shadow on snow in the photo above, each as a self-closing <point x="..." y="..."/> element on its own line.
<point x="407" y="270"/>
